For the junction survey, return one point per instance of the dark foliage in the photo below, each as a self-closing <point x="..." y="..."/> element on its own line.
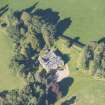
<point x="102" y="40"/>
<point x="73" y="41"/>
<point x="65" y="84"/>
<point x="70" y="101"/>
<point x="27" y="63"/>
<point x="4" y="9"/>
<point x="65" y="57"/>
<point x="62" y="25"/>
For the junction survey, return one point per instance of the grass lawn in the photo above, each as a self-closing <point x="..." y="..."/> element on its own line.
<point x="88" y="16"/>
<point x="7" y="80"/>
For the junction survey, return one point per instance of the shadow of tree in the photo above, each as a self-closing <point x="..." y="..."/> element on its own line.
<point x="51" y="97"/>
<point x="4" y="9"/>
<point x="75" y="41"/>
<point x="65" y="57"/>
<point x="70" y="101"/>
<point x="42" y="100"/>
<point x="31" y="9"/>
<point x="65" y="84"/>
<point x="48" y="15"/>
<point x="53" y="17"/>
<point x="62" y="26"/>
<point x="3" y="93"/>
<point x="102" y="40"/>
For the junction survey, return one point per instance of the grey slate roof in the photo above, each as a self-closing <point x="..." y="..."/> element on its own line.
<point x="51" y="61"/>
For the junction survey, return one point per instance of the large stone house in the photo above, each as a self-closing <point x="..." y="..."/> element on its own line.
<point x="54" y="65"/>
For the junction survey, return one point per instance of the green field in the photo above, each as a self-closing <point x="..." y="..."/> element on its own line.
<point x="88" y="23"/>
<point x="8" y="80"/>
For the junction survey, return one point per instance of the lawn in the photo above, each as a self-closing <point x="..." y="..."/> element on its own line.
<point x="8" y="80"/>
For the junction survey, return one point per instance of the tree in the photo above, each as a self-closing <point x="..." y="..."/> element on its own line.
<point x="87" y="57"/>
<point x="48" y="32"/>
<point x="94" y="58"/>
<point x="32" y="39"/>
<point x="98" y="52"/>
<point x="37" y="23"/>
<point x="26" y="17"/>
<point x="15" y="64"/>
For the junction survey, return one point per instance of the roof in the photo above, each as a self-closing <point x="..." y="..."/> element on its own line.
<point x="51" y="61"/>
<point x="54" y="65"/>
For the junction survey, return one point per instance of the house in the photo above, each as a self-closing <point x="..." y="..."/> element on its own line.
<point x="51" y="61"/>
<point x="54" y="65"/>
